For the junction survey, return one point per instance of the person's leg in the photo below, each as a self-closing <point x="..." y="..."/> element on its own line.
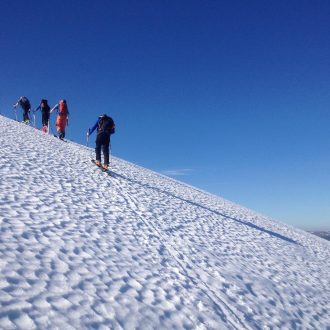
<point x="98" y="145"/>
<point x="26" y="118"/>
<point x="105" y="147"/>
<point x="45" y="118"/>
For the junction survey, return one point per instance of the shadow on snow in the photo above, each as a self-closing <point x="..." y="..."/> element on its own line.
<point x="243" y="222"/>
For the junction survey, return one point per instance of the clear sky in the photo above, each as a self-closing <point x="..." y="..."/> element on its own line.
<point x="229" y="96"/>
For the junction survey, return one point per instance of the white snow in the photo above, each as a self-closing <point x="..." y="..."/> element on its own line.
<point x="80" y="249"/>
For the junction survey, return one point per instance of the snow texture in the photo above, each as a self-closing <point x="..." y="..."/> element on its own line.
<point x="82" y="249"/>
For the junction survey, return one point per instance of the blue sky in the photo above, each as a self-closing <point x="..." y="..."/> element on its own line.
<point x="229" y="96"/>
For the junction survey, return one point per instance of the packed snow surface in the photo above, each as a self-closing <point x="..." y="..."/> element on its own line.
<point x="82" y="249"/>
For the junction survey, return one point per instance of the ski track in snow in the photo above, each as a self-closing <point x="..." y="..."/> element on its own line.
<point x="80" y="249"/>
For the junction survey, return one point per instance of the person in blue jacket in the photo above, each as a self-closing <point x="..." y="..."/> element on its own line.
<point x="105" y="126"/>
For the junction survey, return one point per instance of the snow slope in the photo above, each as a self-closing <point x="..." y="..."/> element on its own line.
<point x="80" y="249"/>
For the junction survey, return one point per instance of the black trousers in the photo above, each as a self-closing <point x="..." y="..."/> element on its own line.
<point x="102" y="143"/>
<point x="45" y="118"/>
<point x="61" y="134"/>
<point x="26" y="115"/>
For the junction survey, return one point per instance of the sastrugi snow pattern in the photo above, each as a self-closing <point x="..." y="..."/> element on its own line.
<point x="82" y="250"/>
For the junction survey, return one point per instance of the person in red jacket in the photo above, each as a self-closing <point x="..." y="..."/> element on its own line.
<point x="62" y="117"/>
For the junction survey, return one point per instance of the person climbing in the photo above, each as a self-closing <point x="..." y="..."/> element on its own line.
<point x="62" y="117"/>
<point x="45" y="111"/>
<point x="105" y="127"/>
<point x="25" y="104"/>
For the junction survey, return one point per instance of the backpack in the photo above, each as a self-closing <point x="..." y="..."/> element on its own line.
<point x="63" y="109"/>
<point x="44" y="106"/>
<point x="106" y="125"/>
<point x="25" y="103"/>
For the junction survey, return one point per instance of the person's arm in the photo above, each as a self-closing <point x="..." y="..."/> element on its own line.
<point x="54" y="108"/>
<point x="91" y="130"/>
<point x="17" y="103"/>
<point x="39" y="107"/>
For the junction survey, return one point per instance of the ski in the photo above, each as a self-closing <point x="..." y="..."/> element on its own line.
<point x="99" y="166"/>
<point x="104" y="170"/>
<point x="59" y="138"/>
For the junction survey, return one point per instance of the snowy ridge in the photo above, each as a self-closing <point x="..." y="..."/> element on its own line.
<point x="80" y="249"/>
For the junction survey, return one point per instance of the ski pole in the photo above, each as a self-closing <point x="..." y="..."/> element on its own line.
<point x="87" y="137"/>
<point x="15" y="113"/>
<point x="50" y="130"/>
<point x="110" y="149"/>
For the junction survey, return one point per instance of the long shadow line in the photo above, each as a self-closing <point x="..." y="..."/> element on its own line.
<point x="243" y="222"/>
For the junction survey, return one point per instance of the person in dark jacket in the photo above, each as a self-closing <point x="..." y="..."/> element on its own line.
<point x="25" y="104"/>
<point x="105" y="127"/>
<point x="45" y="111"/>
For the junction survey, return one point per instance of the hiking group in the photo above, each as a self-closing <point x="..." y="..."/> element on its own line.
<point x="104" y="125"/>
<point x="62" y="114"/>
